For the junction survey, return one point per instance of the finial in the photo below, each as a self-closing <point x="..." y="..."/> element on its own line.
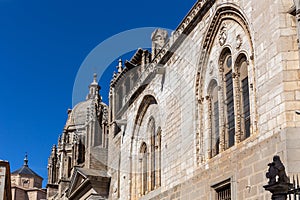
<point x="120" y="62"/>
<point x="120" y="66"/>
<point x="95" y="77"/>
<point x="26" y="160"/>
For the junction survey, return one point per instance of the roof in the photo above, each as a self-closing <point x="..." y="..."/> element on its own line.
<point x="93" y="172"/>
<point x="25" y="170"/>
<point x="83" y="179"/>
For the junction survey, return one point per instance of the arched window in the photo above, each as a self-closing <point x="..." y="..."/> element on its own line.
<point x="80" y="152"/>
<point x="242" y="67"/>
<point x="155" y="154"/>
<point x="151" y="132"/>
<point x="144" y="169"/>
<point x="214" y="118"/>
<point x="226" y="65"/>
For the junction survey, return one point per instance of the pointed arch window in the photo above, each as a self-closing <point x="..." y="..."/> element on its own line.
<point x="242" y="67"/>
<point x="151" y="130"/>
<point x="155" y="154"/>
<point x="226" y="61"/>
<point x="144" y="169"/>
<point x="214" y="118"/>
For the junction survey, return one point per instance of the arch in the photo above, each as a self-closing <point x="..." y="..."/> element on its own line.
<point x="226" y="77"/>
<point x="143" y="148"/>
<point x="226" y="51"/>
<point x="139" y="176"/>
<point x="213" y="83"/>
<point x="223" y="12"/>
<point x="146" y="102"/>
<point x="151" y="125"/>
<point x="242" y="56"/>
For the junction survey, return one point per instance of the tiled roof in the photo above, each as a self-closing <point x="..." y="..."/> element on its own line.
<point x="25" y="170"/>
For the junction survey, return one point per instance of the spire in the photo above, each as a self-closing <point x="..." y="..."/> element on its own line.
<point x="119" y="67"/>
<point x="94" y="89"/>
<point x="95" y="79"/>
<point x="26" y="160"/>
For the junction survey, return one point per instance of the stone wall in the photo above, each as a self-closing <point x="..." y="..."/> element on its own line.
<point x="5" y="181"/>
<point x="245" y="165"/>
<point x="269" y="40"/>
<point x="2" y="181"/>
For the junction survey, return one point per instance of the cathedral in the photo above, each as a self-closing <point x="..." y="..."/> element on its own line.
<point x="199" y="116"/>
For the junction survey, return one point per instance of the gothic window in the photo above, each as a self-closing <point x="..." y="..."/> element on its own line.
<point x="244" y="96"/>
<point x="155" y="154"/>
<point x="69" y="166"/>
<point x="81" y="152"/>
<point x="214" y="118"/>
<point x="151" y="130"/>
<point x="144" y="168"/>
<point x="229" y="100"/>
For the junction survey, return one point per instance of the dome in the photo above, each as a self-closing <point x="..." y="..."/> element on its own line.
<point x="78" y="116"/>
<point x="84" y="112"/>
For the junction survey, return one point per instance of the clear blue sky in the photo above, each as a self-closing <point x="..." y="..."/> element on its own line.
<point x="42" y="46"/>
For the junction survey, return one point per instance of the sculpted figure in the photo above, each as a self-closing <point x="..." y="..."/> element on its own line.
<point x="272" y="173"/>
<point x="282" y="177"/>
<point x="276" y="171"/>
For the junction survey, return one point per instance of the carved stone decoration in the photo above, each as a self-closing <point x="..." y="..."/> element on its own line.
<point x="223" y="34"/>
<point x="159" y="38"/>
<point x="239" y="41"/>
<point x="211" y="68"/>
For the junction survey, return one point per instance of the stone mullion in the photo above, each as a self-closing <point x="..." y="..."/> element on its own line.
<point x="148" y="172"/>
<point x="139" y="182"/>
<point x="209" y="128"/>
<point x="137" y="178"/>
<point x="222" y="125"/>
<point x="237" y="107"/>
<point x="252" y="98"/>
<point x="206" y="131"/>
<point x="200" y="150"/>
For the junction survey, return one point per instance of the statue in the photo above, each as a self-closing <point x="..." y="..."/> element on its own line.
<point x="276" y="171"/>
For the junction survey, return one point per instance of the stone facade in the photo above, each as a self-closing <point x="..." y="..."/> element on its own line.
<point x="5" y="185"/>
<point x="222" y="93"/>
<point x="203" y="113"/>
<point x="78" y="163"/>
<point x="26" y="184"/>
